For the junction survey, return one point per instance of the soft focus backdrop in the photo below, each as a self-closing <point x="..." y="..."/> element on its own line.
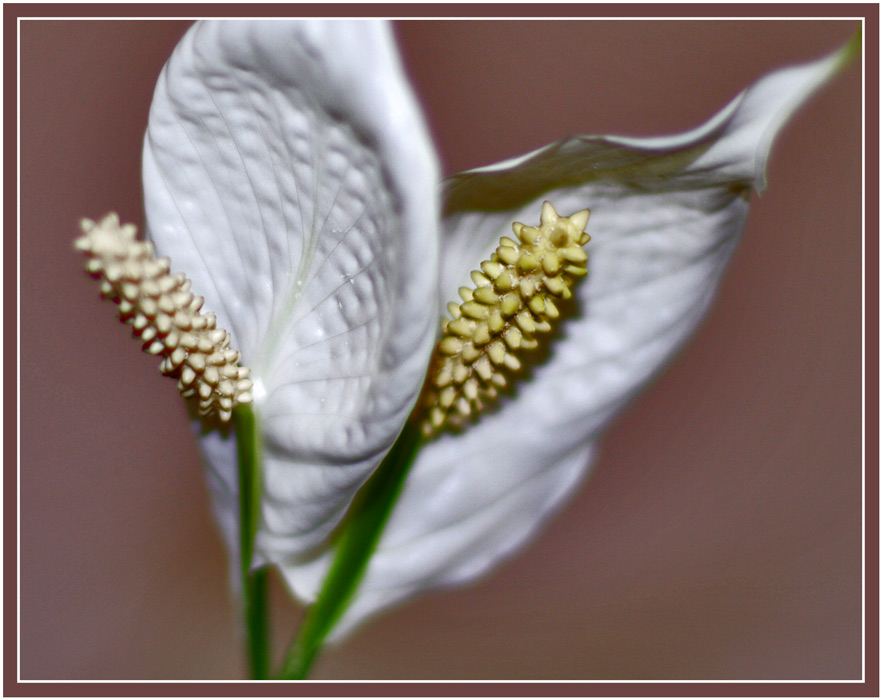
<point x="720" y="534"/>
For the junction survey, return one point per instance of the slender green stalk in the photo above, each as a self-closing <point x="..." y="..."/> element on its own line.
<point x="254" y="583"/>
<point x="358" y="536"/>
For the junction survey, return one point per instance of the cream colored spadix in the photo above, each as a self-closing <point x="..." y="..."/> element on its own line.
<point x="166" y="315"/>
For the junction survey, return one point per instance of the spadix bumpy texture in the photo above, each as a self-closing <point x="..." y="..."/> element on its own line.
<point x="511" y="302"/>
<point x="166" y="315"/>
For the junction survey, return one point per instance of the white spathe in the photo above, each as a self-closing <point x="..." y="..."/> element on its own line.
<point x="340" y="367"/>
<point x="288" y="170"/>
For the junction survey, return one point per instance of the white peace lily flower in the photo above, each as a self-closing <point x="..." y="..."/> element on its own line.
<point x="288" y="171"/>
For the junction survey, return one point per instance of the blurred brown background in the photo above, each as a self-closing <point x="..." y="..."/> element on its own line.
<point x="720" y="535"/>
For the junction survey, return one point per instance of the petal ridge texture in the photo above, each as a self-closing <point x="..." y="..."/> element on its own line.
<point x="287" y="168"/>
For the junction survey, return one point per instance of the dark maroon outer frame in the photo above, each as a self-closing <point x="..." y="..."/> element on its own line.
<point x="719" y="539"/>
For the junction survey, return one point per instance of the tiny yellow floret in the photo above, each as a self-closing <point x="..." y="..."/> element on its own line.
<point x="166" y="316"/>
<point x="511" y="301"/>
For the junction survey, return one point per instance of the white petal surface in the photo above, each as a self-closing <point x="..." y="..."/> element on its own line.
<point x="288" y="172"/>
<point x="666" y="215"/>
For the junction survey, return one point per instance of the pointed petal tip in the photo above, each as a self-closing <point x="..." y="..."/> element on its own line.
<point x="748" y="127"/>
<point x="852" y="49"/>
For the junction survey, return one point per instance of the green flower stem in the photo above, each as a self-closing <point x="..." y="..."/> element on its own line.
<point x="254" y="583"/>
<point x="357" y="538"/>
